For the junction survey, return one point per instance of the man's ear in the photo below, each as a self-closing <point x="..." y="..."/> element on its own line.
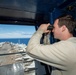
<point x="63" y="28"/>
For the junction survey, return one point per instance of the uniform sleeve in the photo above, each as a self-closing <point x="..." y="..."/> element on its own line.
<point x="56" y="55"/>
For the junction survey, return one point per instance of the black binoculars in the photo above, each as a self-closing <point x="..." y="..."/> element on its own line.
<point x="50" y="27"/>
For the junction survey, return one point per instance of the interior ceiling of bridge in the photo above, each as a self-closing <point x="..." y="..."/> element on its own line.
<point x="29" y="11"/>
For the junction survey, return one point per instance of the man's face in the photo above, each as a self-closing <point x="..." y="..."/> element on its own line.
<point x="57" y="30"/>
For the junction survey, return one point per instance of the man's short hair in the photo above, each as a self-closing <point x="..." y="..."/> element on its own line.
<point x="68" y="21"/>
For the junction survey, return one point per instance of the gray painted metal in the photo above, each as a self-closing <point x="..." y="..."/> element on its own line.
<point x="12" y="69"/>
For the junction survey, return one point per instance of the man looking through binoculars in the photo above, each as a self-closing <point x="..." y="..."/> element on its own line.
<point x="60" y="55"/>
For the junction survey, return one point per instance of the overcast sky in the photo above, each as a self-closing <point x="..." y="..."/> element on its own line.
<point x="16" y="31"/>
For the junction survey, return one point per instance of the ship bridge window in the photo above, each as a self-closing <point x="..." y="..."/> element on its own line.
<point x="16" y="33"/>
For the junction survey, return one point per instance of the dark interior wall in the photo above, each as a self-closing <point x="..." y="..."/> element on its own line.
<point x="33" y="11"/>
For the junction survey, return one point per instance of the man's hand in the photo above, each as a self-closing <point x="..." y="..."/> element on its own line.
<point x="44" y="27"/>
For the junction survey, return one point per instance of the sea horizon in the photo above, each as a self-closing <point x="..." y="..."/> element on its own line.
<point x="15" y="40"/>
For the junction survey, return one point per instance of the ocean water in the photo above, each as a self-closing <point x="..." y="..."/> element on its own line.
<point x="15" y="40"/>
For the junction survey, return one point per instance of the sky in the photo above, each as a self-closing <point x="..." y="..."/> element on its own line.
<point x="16" y="31"/>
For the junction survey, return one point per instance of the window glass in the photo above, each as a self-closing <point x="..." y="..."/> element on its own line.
<point x="16" y="33"/>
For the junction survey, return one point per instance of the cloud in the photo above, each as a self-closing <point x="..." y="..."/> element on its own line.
<point x="16" y="34"/>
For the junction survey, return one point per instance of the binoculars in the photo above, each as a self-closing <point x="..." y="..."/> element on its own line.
<point x="50" y="27"/>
